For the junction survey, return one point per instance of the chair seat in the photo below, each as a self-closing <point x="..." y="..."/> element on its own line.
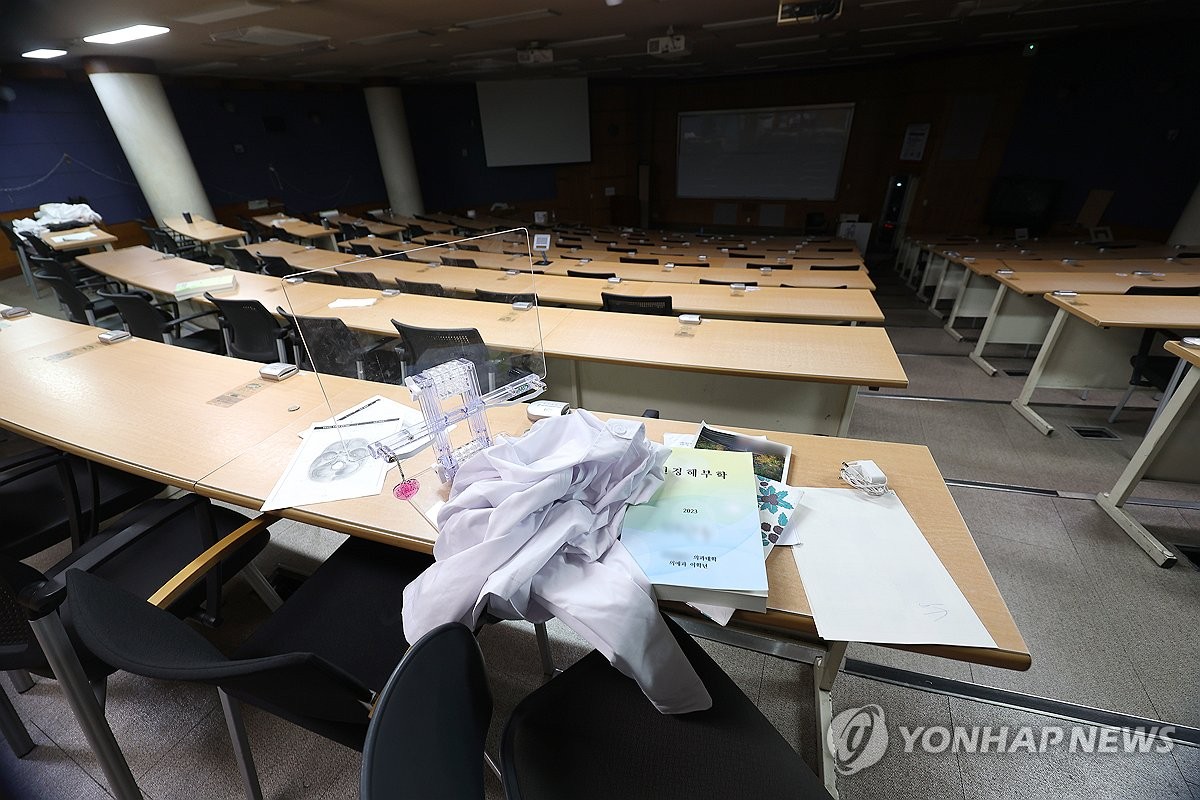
<point x="591" y="733"/>
<point x="206" y="341"/>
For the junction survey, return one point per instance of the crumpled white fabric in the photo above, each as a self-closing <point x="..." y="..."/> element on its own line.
<point x="530" y="531"/>
<point x="55" y="214"/>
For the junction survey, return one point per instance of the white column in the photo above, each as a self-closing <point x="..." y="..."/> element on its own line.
<point x="141" y="117"/>
<point x="1187" y="229"/>
<point x="385" y="104"/>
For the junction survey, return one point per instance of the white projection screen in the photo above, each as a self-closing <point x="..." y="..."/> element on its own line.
<point x="778" y="153"/>
<point x="535" y="121"/>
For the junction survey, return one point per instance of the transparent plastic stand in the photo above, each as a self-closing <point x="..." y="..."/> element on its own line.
<point x="444" y="359"/>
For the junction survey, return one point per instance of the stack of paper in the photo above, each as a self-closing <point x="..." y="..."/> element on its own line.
<point x="221" y="282"/>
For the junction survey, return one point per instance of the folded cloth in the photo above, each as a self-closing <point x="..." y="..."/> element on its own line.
<point x="530" y="531"/>
<point x="59" y="213"/>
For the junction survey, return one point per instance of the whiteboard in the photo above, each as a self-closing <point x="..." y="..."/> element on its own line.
<point x="793" y="153"/>
<point x="535" y="121"/>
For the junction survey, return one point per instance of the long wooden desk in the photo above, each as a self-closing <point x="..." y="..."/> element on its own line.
<point x="104" y="399"/>
<point x="318" y="234"/>
<point x="61" y="241"/>
<point x="1168" y="453"/>
<point x="1092" y="338"/>
<point x="202" y="230"/>
<point x="778" y="375"/>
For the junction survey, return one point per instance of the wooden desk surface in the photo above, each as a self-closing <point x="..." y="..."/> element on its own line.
<point x="202" y="230"/>
<point x="294" y="226"/>
<point x="247" y="479"/>
<point x="277" y="247"/>
<point x="1132" y="311"/>
<point x="34" y="329"/>
<point x="98" y="238"/>
<point x="1035" y="283"/>
<point x="375" y="227"/>
<point x="819" y="353"/>
<point x="130" y="264"/>
<point x="1186" y="352"/>
<point x="144" y="407"/>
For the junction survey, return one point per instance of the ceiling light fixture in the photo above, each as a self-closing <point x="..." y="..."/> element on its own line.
<point x="1028" y="32"/>
<point x="122" y="35"/>
<point x="388" y="38"/>
<point x="739" y="23"/>
<point x="523" y="16"/>
<point x="614" y="37"/>
<point x="789" y="40"/>
<point x="924" y="24"/>
<point x="44" y="52"/>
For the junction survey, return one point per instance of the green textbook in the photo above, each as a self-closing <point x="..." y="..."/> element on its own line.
<point x="698" y="538"/>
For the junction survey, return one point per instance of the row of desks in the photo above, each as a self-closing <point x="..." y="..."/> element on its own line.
<point x="783" y="376"/>
<point x="165" y="413"/>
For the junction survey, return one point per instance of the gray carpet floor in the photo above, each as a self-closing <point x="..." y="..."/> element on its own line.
<point x="1106" y="627"/>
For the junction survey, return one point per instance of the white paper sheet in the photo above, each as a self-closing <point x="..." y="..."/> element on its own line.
<point x="328" y="466"/>
<point x="377" y="418"/>
<point x="679" y="439"/>
<point x="74" y="237"/>
<point x="352" y="302"/>
<point x="871" y="576"/>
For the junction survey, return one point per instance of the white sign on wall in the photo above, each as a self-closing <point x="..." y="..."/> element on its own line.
<point x="915" y="137"/>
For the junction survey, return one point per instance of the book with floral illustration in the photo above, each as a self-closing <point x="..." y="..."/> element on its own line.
<point x="699" y="539"/>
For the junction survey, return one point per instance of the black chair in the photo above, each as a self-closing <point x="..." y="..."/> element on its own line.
<point x="621" y="249"/>
<point x="317" y="661"/>
<point x="834" y="267"/>
<point x="638" y="260"/>
<point x="473" y="248"/>
<point x="506" y="297"/>
<point x="166" y="241"/>
<point x="727" y="283"/>
<point x="161" y="322"/>
<point x="18" y="246"/>
<point x="428" y="347"/>
<point x="430" y="721"/>
<point x="327" y="345"/>
<point x="250" y="331"/>
<point x="575" y="273"/>
<point x="36" y="506"/>
<point x="415" y="230"/>
<point x="245" y="260"/>
<point x="591" y="733"/>
<point x="787" y="265"/>
<point x="629" y="304"/>
<point x="359" y="249"/>
<point x="80" y="308"/>
<point x="742" y="254"/>
<point x="140" y="552"/>
<point x="397" y="255"/>
<point x="38" y="246"/>
<point x="251" y="228"/>
<point x="835" y="249"/>
<point x="798" y="286"/>
<point x="458" y="262"/>
<point x="1151" y="371"/>
<point x="82" y="277"/>
<point x="417" y="287"/>
<point x="278" y="267"/>
<point x="358" y="280"/>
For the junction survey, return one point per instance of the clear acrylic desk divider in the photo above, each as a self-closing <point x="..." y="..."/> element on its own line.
<point x="447" y="358"/>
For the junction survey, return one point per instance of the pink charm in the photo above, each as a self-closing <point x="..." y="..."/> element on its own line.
<point x="406" y="489"/>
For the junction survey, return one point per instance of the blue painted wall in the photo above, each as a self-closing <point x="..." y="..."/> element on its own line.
<point x="312" y="147"/>
<point x="1100" y="114"/>
<point x="451" y="162"/>
<point x="48" y="118"/>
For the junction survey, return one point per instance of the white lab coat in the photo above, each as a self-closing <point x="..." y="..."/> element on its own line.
<point x="530" y="531"/>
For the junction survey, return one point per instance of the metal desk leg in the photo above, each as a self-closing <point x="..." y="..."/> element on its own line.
<point x="1021" y="404"/>
<point x="1172" y="385"/>
<point x="1173" y="413"/>
<point x="825" y="670"/>
<point x="65" y="664"/>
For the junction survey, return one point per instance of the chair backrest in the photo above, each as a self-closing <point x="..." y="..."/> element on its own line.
<point x="458" y="262"/>
<point x="362" y="249"/>
<point x="834" y="267"/>
<point x="620" y="248"/>
<point x="250" y="227"/>
<point x="278" y="266"/>
<point x="427" y="732"/>
<point x="416" y="287"/>
<point x="505" y="297"/>
<point x="245" y="260"/>
<point x="427" y="347"/>
<point x="397" y="255"/>
<point x="142" y="319"/>
<point x="638" y="260"/>
<point x="835" y="249"/>
<point x="358" y="280"/>
<point x="14" y="240"/>
<point x="40" y="247"/>
<point x="575" y="273"/>
<point x="18" y="646"/>
<point x="325" y="345"/>
<point x="474" y="248"/>
<point x="798" y="286"/>
<point x="77" y="303"/>
<point x="251" y="332"/>
<point x="727" y="283"/>
<point x="627" y="304"/>
<point x="416" y="230"/>
<point x="162" y="241"/>
<point x="772" y="266"/>
<point x="52" y="266"/>
<point x="1164" y="290"/>
<point x="743" y="254"/>
<point x="128" y="633"/>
